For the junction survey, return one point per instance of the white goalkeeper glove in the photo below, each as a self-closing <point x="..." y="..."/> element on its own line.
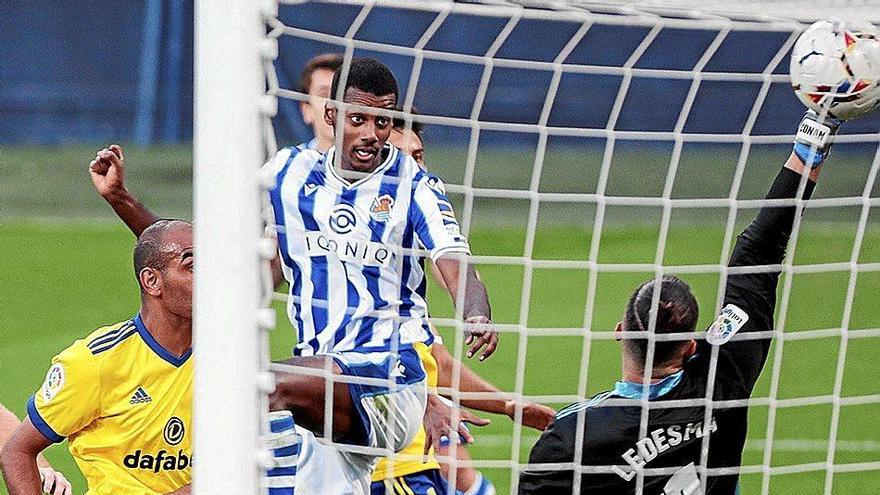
<point x="814" y="138"/>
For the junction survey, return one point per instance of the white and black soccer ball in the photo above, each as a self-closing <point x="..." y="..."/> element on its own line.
<point x="835" y="67"/>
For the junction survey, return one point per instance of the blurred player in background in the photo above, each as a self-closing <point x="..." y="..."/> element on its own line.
<point x="53" y="482"/>
<point x="315" y="80"/>
<point x="409" y="139"/>
<point x="122" y="396"/>
<point x="680" y="368"/>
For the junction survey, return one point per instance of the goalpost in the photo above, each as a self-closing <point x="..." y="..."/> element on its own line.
<point x="234" y="135"/>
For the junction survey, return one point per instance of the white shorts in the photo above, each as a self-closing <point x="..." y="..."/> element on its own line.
<point x="391" y="398"/>
<point x="391" y="403"/>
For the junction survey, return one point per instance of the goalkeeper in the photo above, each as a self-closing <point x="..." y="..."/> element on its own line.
<point x="673" y="438"/>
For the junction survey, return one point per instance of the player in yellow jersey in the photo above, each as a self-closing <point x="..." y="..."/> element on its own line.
<point x="122" y="396"/>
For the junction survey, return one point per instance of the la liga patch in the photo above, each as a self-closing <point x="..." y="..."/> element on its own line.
<point x="731" y="319"/>
<point x="54" y="382"/>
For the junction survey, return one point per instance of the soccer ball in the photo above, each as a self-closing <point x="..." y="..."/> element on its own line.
<point x="835" y="68"/>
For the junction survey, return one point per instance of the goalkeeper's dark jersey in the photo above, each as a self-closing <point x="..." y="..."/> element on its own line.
<point x="674" y="436"/>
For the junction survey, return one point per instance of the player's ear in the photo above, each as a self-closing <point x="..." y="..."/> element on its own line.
<point x="618" y="331"/>
<point x="690" y="349"/>
<point x="329" y="114"/>
<point x="151" y="281"/>
<point x="306" y="111"/>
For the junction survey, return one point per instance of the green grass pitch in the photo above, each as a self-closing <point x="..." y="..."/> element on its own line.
<point x="62" y="273"/>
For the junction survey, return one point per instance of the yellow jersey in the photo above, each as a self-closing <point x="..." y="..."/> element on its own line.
<point x="409" y="460"/>
<point x="124" y="404"/>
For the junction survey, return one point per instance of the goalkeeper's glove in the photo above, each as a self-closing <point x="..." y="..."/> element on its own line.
<point x="814" y="138"/>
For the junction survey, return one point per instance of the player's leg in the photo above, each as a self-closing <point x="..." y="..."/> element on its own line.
<point x="323" y="468"/>
<point x="408" y="472"/>
<point x="305" y="394"/>
<point x="284" y="444"/>
<point x="468" y="481"/>
<point x="379" y="402"/>
<point x="389" y="392"/>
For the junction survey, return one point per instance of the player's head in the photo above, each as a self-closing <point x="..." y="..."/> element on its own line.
<point x="369" y="84"/>
<point x="163" y="263"/>
<point x="315" y="80"/>
<point x="676" y="313"/>
<point x="409" y="138"/>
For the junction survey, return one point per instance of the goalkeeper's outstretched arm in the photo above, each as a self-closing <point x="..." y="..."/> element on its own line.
<point x="750" y="298"/>
<point x="108" y="175"/>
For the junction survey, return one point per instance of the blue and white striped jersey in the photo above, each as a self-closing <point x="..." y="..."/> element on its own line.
<point x="354" y="252"/>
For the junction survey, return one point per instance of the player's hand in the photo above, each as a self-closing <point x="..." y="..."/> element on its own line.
<point x="54" y="483"/>
<point x="108" y="171"/>
<point x="814" y="138"/>
<point x="479" y="333"/>
<point x="534" y="415"/>
<point x="442" y="420"/>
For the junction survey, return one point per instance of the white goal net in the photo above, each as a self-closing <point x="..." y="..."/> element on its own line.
<point x="586" y="147"/>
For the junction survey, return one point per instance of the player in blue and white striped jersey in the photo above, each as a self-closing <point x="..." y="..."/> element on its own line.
<point x="354" y="225"/>
<point x="351" y="240"/>
<point x="351" y="250"/>
<point x="391" y="356"/>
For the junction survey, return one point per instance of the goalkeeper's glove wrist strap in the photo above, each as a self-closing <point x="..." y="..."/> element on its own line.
<point x="813" y="141"/>
<point x="812" y="157"/>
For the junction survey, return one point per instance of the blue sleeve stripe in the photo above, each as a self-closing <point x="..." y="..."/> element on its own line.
<point x="40" y="424"/>
<point x="420" y="223"/>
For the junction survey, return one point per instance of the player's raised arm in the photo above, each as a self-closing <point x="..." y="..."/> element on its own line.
<point x="750" y="298"/>
<point x="108" y="175"/>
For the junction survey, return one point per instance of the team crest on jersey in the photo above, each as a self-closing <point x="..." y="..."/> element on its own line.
<point x="54" y="382"/>
<point x="380" y="211"/>
<point x="731" y="319"/>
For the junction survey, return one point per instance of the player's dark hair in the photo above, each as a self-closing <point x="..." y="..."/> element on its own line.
<point x="677" y="313"/>
<point x="366" y="74"/>
<point x="400" y="123"/>
<point x="325" y="61"/>
<point x="149" y="252"/>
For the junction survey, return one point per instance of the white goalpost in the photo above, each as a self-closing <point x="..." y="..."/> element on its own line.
<point x="239" y="88"/>
<point x="228" y="295"/>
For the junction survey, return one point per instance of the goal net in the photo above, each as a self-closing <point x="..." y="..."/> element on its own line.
<point x="587" y="147"/>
